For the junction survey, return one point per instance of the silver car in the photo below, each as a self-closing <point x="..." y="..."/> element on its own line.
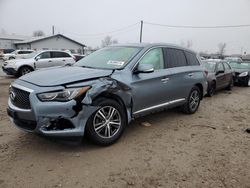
<point x="37" y="60"/>
<point x="107" y="89"/>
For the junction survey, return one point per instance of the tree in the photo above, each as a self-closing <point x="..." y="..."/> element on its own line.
<point x="222" y="49"/>
<point x="107" y="41"/>
<point x="38" y="33"/>
<point x="187" y="44"/>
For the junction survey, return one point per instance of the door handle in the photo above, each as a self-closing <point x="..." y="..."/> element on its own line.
<point x="190" y="74"/>
<point x="165" y="80"/>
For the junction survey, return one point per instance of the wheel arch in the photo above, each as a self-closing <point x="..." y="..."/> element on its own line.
<point x="199" y="85"/>
<point x="26" y="65"/>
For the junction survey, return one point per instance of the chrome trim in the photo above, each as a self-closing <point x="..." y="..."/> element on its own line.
<point x="159" y="105"/>
<point x="22" y="87"/>
<point x="16" y="108"/>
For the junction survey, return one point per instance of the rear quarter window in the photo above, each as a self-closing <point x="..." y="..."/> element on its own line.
<point x="191" y="58"/>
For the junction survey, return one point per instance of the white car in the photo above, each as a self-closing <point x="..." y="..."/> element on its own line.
<point x="17" y="54"/>
<point x="36" y="61"/>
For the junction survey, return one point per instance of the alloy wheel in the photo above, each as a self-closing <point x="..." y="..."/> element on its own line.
<point x="25" y="71"/>
<point x="194" y="100"/>
<point x="107" y="122"/>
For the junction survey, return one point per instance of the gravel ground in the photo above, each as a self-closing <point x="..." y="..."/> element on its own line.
<point x="207" y="149"/>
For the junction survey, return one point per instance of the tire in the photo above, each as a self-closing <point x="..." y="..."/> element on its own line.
<point x="24" y="70"/>
<point x="212" y="89"/>
<point x="231" y="85"/>
<point x="99" y="128"/>
<point x="247" y="82"/>
<point x="193" y="101"/>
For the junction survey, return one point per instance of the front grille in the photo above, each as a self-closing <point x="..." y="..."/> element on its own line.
<point x="20" y="98"/>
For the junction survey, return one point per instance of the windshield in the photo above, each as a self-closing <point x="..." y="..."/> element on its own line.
<point x="236" y="65"/>
<point x="31" y="55"/>
<point x="209" y="66"/>
<point x="109" y="58"/>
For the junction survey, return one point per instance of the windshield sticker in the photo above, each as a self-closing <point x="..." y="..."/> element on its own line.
<point x="116" y="63"/>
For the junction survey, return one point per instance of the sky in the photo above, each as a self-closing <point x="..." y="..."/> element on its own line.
<point x="89" y="21"/>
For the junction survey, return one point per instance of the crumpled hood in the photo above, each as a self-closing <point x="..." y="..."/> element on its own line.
<point x="63" y="75"/>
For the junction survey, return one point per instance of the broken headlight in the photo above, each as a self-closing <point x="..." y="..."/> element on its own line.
<point x="65" y="95"/>
<point x="243" y="74"/>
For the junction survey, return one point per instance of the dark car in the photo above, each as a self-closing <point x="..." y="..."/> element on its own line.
<point x="242" y="72"/>
<point x="219" y="75"/>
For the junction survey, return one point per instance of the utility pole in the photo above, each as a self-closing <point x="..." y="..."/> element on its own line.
<point x="141" y="31"/>
<point x="53" y="30"/>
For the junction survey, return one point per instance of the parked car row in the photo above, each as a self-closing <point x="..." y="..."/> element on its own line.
<point x="103" y="92"/>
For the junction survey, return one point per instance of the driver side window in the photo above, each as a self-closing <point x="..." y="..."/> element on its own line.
<point x="155" y="58"/>
<point x="44" y="55"/>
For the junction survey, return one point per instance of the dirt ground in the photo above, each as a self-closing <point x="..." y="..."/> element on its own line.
<point x="207" y="149"/>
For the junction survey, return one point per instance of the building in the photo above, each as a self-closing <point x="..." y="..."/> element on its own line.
<point x="7" y="41"/>
<point x="53" y="42"/>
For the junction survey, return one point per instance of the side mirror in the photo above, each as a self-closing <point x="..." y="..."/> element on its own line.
<point x="220" y="72"/>
<point x="145" y="68"/>
<point x="37" y="58"/>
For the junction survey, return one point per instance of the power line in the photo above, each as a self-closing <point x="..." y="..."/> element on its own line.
<point x="199" y="27"/>
<point x="104" y="33"/>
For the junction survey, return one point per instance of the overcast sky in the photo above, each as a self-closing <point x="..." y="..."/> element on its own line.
<point x="84" y="20"/>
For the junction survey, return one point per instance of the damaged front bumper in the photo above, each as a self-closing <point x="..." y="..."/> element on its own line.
<point x="51" y="118"/>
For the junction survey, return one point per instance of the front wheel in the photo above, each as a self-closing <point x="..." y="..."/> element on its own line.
<point x="24" y="70"/>
<point x="106" y="125"/>
<point x="193" y="101"/>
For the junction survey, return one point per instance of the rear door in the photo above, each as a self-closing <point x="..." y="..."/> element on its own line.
<point x="182" y="77"/>
<point x="228" y="73"/>
<point x="61" y="58"/>
<point x="220" y="77"/>
<point x="151" y="90"/>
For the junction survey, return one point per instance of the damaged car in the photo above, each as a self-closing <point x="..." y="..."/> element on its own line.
<point x="100" y="94"/>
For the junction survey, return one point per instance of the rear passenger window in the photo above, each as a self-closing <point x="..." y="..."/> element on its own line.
<point x="59" y="54"/>
<point x="227" y="67"/>
<point x="155" y="58"/>
<point x="175" y="58"/>
<point x="220" y="67"/>
<point x="192" y="59"/>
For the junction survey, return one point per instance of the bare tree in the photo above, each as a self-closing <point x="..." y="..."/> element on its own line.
<point x="107" y="41"/>
<point x="187" y="44"/>
<point x="222" y="49"/>
<point x="38" y="33"/>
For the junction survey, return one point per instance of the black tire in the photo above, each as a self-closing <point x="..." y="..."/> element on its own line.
<point x="212" y="89"/>
<point x="246" y="82"/>
<point x="97" y="136"/>
<point x="24" y="70"/>
<point x="231" y="85"/>
<point x="188" y="108"/>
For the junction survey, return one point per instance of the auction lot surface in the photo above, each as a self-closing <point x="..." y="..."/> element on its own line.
<point x="207" y="149"/>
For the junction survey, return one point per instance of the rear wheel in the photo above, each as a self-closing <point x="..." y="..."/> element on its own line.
<point x="106" y="125"/>
<point x="212" y="89"/>
<point x="193" y="101"/>
<point x="24" y="70"/>
<point x="231" y="85"/>
<point x="247" y="82"/>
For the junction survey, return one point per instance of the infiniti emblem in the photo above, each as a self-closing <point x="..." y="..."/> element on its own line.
<point x="12" y="95"/>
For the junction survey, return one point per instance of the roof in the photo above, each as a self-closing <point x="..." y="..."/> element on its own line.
<point x="36" y="39"/>
<point x="13" y="37"/>
<point x="149" y="45"/>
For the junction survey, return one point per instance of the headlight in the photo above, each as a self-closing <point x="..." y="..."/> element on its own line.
<point x="64" y="95"/>
<point x="243" y="74"/>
